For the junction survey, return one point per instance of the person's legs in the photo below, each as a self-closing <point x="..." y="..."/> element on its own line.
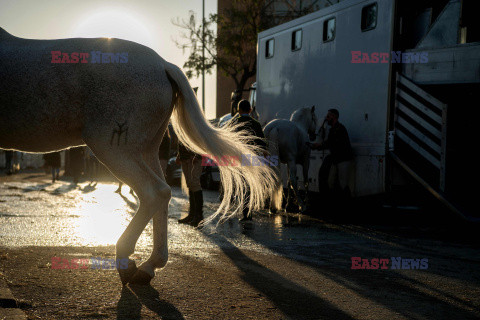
<point x="324" y="173"/>
<point x="344" y="173"/>
<point x="187" y="172"/>
<point x="247" y="215"/>
<point x="197" y="193"/>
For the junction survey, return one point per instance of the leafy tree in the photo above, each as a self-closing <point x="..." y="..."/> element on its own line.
<point x="233" y="49"/>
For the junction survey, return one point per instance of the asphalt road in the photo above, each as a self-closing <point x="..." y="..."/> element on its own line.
<point x="278" y="267"/>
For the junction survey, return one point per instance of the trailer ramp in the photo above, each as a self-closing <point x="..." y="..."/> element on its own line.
<point x="420" y="122"/>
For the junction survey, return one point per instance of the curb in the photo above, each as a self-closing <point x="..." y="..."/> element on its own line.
<point x="8" y="305"/>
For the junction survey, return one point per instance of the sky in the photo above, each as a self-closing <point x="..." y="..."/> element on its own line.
<point x="148" y="22"/>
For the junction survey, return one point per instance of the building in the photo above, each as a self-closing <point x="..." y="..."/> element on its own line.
<point x="277" y="11"/>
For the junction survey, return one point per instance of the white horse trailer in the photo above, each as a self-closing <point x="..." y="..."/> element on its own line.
<point x="375" y="61"/>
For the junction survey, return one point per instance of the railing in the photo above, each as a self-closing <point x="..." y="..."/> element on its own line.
<point x="420" y="122"/>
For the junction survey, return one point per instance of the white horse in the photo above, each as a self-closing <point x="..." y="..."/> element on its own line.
<point x="120" y="107"/>
<point x="288" y="140"/>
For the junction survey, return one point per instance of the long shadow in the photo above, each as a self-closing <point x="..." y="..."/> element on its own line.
<point x="319" y="233"/>
<point x="128" y="307"/>
<point x="42" y="187"/>
<point x="394" y="291"/>
<point x="132" y="298"/>
<point x="293" y="300"/>
<point x="92" y="186"/>
<point x="131" y="204"/>
<point x="34" y="176"/>
<point x="37" y="187"/>
<point x="63" y="189"/>
<point x="366" y="282"/>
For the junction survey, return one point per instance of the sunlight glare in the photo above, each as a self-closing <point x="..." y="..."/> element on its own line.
<point x="104" y="217"/>
<point x="114" y="23"/>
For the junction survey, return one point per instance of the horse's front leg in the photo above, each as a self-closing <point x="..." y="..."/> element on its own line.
<point x="293" y="184"/>
<point x="159" y="256"/>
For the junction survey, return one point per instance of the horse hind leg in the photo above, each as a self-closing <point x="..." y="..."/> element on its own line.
<point x="159" y="256"/>
<point x="130" y="167"/>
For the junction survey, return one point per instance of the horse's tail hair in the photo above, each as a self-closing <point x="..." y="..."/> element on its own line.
<point x="276" y="193"/>
<point x="226" y="143"/>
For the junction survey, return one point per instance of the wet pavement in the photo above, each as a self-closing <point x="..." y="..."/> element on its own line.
<point x="92" y="214"/>
<point x="278" y="267"/>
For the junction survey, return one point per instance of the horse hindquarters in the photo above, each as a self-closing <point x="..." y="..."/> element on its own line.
<point x="132" y="156"/>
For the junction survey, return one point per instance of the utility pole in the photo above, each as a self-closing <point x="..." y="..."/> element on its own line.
<point x="203" y="56"/>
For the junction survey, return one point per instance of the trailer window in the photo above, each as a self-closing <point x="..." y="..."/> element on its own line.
<point x="369" y="17"/>
<point x="296" y="40"/>
<point x="270" y="45"/>
<point x="329" y="30"/>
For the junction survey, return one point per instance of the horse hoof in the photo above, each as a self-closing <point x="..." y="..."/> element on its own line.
<point x="141" y="278"/>
<point x="128" y="273"/>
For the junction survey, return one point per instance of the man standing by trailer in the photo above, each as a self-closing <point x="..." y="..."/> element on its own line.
<point x="253" y="126"/>
<point x="336" y="167"/>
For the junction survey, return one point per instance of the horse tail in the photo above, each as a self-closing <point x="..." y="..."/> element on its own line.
<point x="227" y="144"/>
<point x="276" y="193"/>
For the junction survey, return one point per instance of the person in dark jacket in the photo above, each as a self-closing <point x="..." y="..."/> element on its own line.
<point x="253" y="126"/>
<point x="336" y="167"/>
<point x="248" y="123"/>
<point x="192" y="169"/>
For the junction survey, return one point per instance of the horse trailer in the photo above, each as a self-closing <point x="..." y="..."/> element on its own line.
<point x="391" y="68"/>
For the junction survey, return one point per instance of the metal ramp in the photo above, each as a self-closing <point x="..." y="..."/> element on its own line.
<point x="420" y="122"/>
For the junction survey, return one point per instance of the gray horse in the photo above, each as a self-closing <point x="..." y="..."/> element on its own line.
<point x="288" y="140"/>
<point x="117" y="97"/>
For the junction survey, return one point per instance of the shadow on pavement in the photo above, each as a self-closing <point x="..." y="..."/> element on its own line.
<point x="33" y="176"/>
<point x="133" y="205"/>
<point x="330" y="256"/>
<point x="132" y="298"/>
<point x="92" y="186"/>
<point x="293" y="300"/>
<point x="37" y="187"/>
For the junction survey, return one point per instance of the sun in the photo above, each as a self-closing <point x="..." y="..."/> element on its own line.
<point x="113" y="23"/>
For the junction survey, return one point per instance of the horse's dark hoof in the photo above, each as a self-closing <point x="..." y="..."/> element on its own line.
<point x="141" y="278"/>
<point x="128" y="273"/>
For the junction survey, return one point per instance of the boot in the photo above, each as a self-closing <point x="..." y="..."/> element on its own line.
<point x="198" y="209"/>
<point x="247" y="216"/>
<point x="191" y="210"/>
